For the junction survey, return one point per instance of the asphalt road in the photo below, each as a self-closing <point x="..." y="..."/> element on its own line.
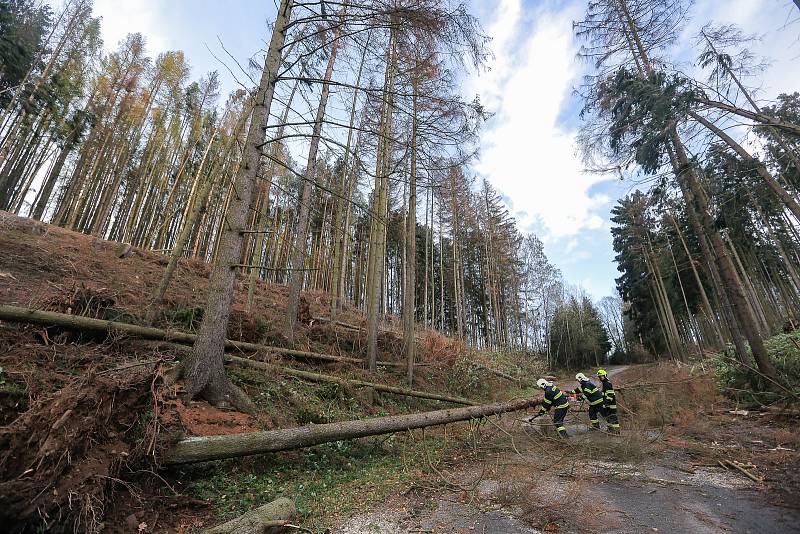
<point x="602" y="498"/>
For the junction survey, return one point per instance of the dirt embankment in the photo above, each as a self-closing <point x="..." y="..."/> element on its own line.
<point x="86" y="416"/>
<point x="60" y="455"/>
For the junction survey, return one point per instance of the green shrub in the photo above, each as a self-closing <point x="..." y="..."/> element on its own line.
<point x="466" y="379"/>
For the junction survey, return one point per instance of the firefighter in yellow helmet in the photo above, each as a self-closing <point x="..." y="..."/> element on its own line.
<point x="609" y="401"/>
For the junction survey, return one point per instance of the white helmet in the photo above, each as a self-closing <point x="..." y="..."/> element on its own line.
<point x="542" y="383"/>
<point x="581" y="377"/>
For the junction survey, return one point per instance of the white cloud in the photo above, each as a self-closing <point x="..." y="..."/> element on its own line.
<point x="779" y="43"/>
<point x="525" y="153"/>
<point x="123" y="17"/>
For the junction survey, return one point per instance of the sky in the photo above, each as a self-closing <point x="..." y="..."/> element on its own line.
<point x="527" y="149"/>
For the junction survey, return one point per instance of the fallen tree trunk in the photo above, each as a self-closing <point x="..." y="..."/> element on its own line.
<point x="318" y="377"/>
<point x="266" y="519"/>
<point x="357" y="328"/>
<point x="338" y="323"/>
<point x="201" y="449"/>
<point x="495" y="372"/>
<point x="78" y="322"/>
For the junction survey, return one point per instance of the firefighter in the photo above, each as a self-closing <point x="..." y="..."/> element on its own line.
<point x="591" y="394"/>
<point x="609" y="402"/>
<point x="554" y="398"/>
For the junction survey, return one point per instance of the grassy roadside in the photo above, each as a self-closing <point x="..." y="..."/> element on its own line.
<point x="328" y="481"/>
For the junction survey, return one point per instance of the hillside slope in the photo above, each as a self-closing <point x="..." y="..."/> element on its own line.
<point x="50" y="372"/>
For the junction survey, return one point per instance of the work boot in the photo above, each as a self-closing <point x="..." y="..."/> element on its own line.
<point x="595" y="426"/>
<point x="562" y="433"/>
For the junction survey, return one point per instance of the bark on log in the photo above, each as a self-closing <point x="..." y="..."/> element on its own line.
<point x="78" y="322"/>
<point x="268" y="518"/>
<point x="318" y="377"/>
<point x="201" y="449"/>
<point x="357" y="328"/>
<point x="501" y="374"/>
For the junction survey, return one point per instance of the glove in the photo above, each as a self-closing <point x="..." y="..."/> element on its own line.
<point x="542" y="411"/>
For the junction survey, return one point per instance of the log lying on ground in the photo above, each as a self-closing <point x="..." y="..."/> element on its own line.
<point x="318" y="377"/>
<point x="495" y="372"/>
<point x="268" y="518"/>
<point x="727" y="464"/>
<point x="357" y="328"/>
<point x="78" y="322"/>
<point x="201" y="449"/>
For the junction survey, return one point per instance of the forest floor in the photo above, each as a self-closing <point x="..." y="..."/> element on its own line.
<point x="82" y="422"/>
<point x="86" y="411"/>
<point x="660" y="475"/>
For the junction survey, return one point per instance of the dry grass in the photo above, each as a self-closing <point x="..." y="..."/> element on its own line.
<point x="666" y="394"/>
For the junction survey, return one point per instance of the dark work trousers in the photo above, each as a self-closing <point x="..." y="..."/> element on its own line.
<point x="558" y="420"/>
<point x="610" y="415"/>
<point x="594" y="411"/>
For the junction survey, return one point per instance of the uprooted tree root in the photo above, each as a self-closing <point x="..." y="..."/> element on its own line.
<point x="60" y="459"/>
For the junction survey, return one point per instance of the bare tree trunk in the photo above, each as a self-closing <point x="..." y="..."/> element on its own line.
<point x="377" y="247"/>
<point x="49" y="183"/>
<point x="425" y="290"/>
<point x="706" y="304"/>
<point x="301" y="235"/>
<point x="411" y="251"/>
<point x="188" y="225"/>
<point x="340" y="245"/>
<point x="739" y="305"/>
<point x="691" y="326"/>
<point x="260" y="226"/>
<point x="203" y="371"/>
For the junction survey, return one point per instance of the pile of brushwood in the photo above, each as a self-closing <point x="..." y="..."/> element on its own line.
<point x="746" y="385"/>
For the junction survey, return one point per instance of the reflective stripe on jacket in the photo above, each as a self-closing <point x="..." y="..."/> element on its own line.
<point x="589" y="391"/>
<point x="609" y="395"/>
<point x="554" y="398"/>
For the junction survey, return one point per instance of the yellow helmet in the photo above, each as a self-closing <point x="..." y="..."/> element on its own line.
<point x="602" y="372"/>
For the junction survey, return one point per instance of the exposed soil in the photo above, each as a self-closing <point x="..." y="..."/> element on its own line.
<point x="85" y="416"/>
<point x="201" y="419"/>
<point x="59" y="456"/>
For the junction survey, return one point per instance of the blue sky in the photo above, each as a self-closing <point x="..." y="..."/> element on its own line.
<point x="528" y="149"/>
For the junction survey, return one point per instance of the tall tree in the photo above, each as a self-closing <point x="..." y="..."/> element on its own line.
<point x="203" y="371"/>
